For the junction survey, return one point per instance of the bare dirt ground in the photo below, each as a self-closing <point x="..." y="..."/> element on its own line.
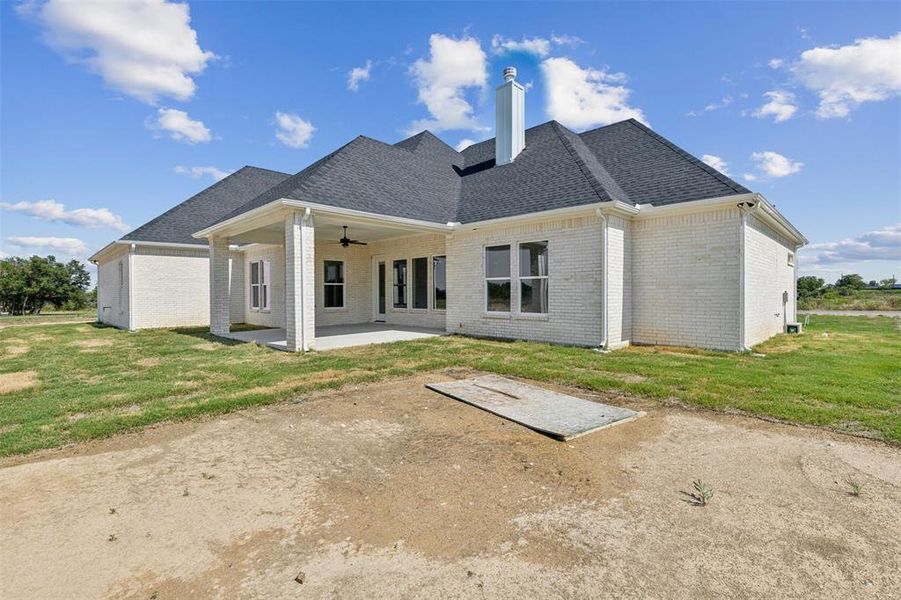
<point x="391" y="490"/>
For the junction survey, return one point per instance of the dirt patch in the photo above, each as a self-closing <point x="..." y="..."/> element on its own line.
<point x="16" y="350"/>
<point x="20" y="380"/>
<point x="394" y="491"/>
<point x="92" y="345"/>
<point x="148" y="362"/>
<point x="208" y="346"/>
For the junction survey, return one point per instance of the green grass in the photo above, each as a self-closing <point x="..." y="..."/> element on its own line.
<point x="48" y="317"/>
<point x="847" y="380"/>
<point x="853" y="300"/>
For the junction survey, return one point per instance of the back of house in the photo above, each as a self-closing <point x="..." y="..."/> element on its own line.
<point x="605" y="238"/>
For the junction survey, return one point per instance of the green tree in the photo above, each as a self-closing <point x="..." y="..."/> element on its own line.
<point x="888" y="283"/>
<point x="852" y="281"/>
<point x="809" y="286"/>
<point x="29" y="284"/>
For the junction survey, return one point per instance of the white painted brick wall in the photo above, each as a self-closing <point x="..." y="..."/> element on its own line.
<point x="357" y="284"/>
<point x="275" y="316"/>
<point x="220" y="286"/>
<point x="619" y="281"/>
<point x="112" y="299"/>
<point x="574" y="294"/>
<point x="767" y="276"/>
<point x="685" y="279"/>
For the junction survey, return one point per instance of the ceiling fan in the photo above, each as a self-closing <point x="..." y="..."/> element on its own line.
<point x="345" y="241"/>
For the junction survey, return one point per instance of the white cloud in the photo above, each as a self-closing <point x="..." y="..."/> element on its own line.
<point x="143" y="48"/>
<point x="844" y="77"/>
<point x="68" y="246"/>
<point x="772" y="164"/>
<point x="51" y="210"/>
<point x="179" y="126"/>
<point x="293" y="131"/>
<point x="198" y="172"/>
<point x="749" y="176"/>
<point x="726" y="101"/>
<point x="463" y="144"/>
<point x="567" y="40"/>
<point x="358" y="74"/>
<point x="781" y="106"/>
<point x="716" y="162"/>
<point x="583" y="98"/>
<point x="453" y="66"/>
<point x="776" y="63"/>
<point x="537" y="46"/>
<point x="882" y="244"/>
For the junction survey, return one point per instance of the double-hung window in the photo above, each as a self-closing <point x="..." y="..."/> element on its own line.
<point x="400" y="283"/>
<point x="420" y="283"/>
<point x="334" y="284"/>
<point x="259" y="285"/>
<point x="439" y="282"/>
<point x="497" y="278"/>
<point x="533" y="285"/>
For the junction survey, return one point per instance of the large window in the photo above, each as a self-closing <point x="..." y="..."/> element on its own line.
<point x="533" y="277"/>
<point x="259" y="285"/>
<point x="420" y="283"/>
<point x="497" y="278"/>
<point x="439" y="282"/>
<point x="400" y="284"/>
<point x="334" y="284"/>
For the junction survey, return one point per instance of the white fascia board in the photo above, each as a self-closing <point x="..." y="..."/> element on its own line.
<point x="116" y="243"/>
<point x="613" y="206"/>
<point x="276" y="205"/>
<point x="777" y="218"/>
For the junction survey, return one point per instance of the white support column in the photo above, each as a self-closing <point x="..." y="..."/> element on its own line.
<point x="220" y="286"/>
<point x="300" y="290"/>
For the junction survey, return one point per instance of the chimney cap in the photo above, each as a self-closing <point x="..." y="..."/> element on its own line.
<point x="509" y="73"/>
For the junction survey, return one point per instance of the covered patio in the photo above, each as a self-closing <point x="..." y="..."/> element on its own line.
<point x="340" y="336"/>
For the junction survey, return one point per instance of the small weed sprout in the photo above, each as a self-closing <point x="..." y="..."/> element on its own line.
<point x="855" y="486"/>
<point x="703" y="492"/>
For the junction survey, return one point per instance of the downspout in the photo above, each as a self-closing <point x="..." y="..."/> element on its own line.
<point x="602" y="346"/>
<point x="743" y="209"/>
<point x="131" y="288"/>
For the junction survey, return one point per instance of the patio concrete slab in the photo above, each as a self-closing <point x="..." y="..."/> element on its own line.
<point x="341" y="336"/>
<point x="557" y="415"/>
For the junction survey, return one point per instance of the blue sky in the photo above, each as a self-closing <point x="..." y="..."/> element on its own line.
<point x="113" y="113"/>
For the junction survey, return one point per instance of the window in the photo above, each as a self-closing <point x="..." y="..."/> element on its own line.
<point x="121" y="274"/>
<point x="497" y="278"/>
<point x="439" y="282"/>
<point x="791" y="259"/>
<point x="400" y="284"/>
<point x="334" y="284"/>
<point x="533" y="277"/>
<point x="420" y="283"/>
<point x="259" y="285"/>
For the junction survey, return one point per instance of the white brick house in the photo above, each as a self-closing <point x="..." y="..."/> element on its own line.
<point x="600" y="239"/>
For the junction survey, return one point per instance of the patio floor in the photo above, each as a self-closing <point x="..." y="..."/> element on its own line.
<point x="341" y="336"/>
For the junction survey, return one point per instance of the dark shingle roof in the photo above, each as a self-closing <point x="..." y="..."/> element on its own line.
<point x="423" y="178"/>
<point x="178" y="223"/>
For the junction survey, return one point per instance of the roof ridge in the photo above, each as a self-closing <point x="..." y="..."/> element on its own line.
<point x="728" y="181"/>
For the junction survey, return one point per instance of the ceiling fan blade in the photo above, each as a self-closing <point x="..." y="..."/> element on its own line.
<point x="358" y="243"/>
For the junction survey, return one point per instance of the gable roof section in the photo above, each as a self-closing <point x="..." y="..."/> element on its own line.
<point x="178" y="223"/>
<point x="423" y="178"/>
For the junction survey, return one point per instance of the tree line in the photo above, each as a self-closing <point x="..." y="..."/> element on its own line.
<point x="28" y="285"/>
<point x="811" y="286"/>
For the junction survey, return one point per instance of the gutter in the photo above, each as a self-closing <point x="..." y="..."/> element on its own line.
<point x="604" y="249"/>
<point x="132" y="243"/>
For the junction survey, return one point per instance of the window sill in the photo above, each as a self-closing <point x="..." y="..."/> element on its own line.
<point x="497" y="315"/>
<point x="335" y="308"/>
<point x="531" y="316"/>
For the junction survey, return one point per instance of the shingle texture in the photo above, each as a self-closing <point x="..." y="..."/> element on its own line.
<point x="177" y="224"/>
<point x="423" y="178"/>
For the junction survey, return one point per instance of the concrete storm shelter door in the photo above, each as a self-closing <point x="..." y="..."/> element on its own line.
<point x="559" y="416"/>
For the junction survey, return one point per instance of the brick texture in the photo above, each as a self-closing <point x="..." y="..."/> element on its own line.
<point x="767" y="276"/>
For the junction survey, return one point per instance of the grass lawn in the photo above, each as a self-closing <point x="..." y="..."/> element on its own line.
<point x="77" y="382"/>
<point x="48" y="317"/>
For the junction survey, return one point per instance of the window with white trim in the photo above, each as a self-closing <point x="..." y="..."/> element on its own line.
<point x="400" y="283"/>
<point x="333" y="281"/>
<point x="533" y="271"/>
<point x="439" y="282"/>
<point x="791" y="259"/>
<point x="259" y="285"/>
<point x="420" y="283"/>
<point x="121" y="274"/>
<point x="497" y="278"/>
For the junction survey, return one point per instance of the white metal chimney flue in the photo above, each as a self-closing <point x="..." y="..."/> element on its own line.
<point x="510" y="115"/>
